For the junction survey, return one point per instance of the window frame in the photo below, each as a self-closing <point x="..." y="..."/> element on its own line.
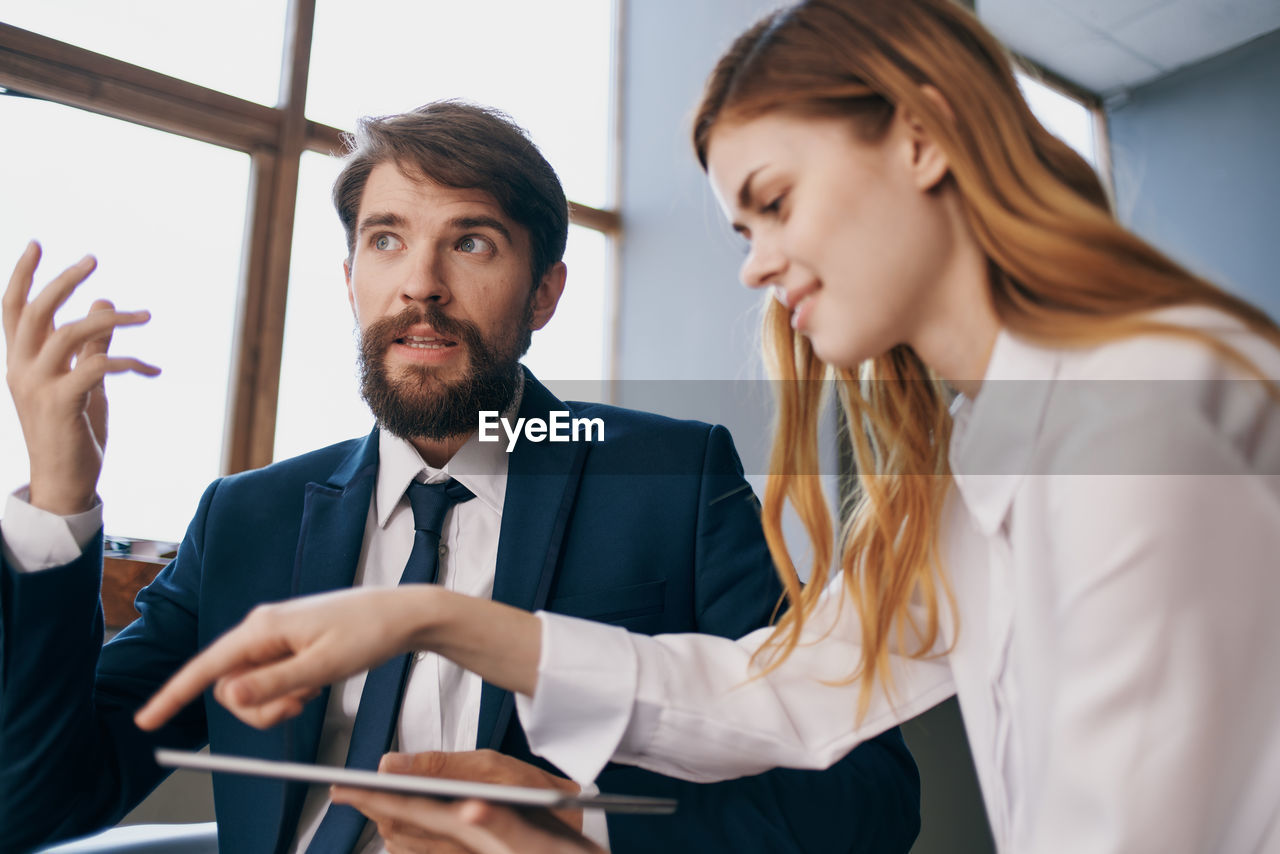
<point x="33" y="65"/>
<point x="1091" y="101"/>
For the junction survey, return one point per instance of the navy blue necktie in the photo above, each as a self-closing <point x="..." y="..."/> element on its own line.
<point x="383" y="687"/>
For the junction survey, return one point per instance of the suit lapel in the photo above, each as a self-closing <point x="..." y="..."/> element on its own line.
<point x="542" y="480"/>
<point x="329" y="540"/>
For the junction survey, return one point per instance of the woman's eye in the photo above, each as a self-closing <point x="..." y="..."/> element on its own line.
<point x="386" y="243"/>
<point x="474" y="244"/>
<point x="774" y="206"/>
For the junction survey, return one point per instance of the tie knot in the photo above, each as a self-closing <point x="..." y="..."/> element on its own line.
<point x="431" y="501"/>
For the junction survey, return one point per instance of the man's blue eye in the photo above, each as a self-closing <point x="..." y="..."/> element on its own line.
<point x="474" y="244"/>
<point x="384" y="242"/>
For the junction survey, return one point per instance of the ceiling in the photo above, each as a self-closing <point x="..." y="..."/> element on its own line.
<point x="1107" y="46"/>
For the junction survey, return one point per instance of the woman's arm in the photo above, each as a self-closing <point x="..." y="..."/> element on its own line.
<point x="266" y="668"/>
<point x="682" y="705"/>
<point x="693" y="706"/>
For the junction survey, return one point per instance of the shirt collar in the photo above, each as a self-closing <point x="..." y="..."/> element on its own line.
<point x="479" y="466"/>
<point x="994" y="437"/>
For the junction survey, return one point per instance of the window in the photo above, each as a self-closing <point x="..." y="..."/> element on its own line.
<point x="131" y="198"/>
<point x="1071" y="116"/>
<point x="206" y="198"/>
<point x="407" y="57"/>
<point x="188" y="41"/>
<point x="545" y="64"/>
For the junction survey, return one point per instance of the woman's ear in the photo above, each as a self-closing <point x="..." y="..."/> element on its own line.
<point x="929" y="163"/>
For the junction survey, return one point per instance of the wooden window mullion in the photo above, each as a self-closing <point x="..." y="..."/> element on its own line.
<point x="251" y="417"/>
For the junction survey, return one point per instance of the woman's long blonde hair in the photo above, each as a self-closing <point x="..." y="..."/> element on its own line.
<point x="1061" y="271"/>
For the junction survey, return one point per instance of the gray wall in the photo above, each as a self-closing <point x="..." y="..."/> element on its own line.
<point x="683" y="315"/>
<point x="1196" y="169"/>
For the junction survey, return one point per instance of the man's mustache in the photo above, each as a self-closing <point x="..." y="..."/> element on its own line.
<point x="381" y="333"/>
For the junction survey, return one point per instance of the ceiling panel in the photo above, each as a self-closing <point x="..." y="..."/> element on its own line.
<point x="1180" y="32"/>
<point x="1110" y="45"/>
<point x="1105" y="14"/>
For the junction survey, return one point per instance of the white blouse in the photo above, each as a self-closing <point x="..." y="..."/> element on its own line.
<point x="1113" y="543"/>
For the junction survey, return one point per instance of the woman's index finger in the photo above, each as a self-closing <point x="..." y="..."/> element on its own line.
<point x="226" y="655"/>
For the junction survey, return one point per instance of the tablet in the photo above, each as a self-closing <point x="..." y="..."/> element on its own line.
<point x="411" y="784"/>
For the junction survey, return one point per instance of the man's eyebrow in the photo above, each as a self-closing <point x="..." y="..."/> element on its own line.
<point x="382" y="220"/>
<point x="467" y="222"/>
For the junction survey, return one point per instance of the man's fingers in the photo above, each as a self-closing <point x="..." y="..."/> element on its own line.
<point x="15" y="295"/>
<point x="423" y="814"/>
<point x="428" y="763"/>
<point x="100" y="343"/>
<point x="37" y="317"/>
<point x="89" y="371"/>
<point x="534" y="828"/>
<point x="96" y="407"/>
<point x="390" y="807"/>
<point x="88" y="336"/>
<point x="485" y="766"/>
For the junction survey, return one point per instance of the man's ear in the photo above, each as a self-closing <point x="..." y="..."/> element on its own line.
<point x="547" y="295"/>
<point x="928" y="162"/>
<point x="346" y="274"/>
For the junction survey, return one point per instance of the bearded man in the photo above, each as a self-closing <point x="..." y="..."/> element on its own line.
<point x="455" y="228"/>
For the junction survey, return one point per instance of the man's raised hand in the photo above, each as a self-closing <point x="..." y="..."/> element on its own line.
<point x="55" y="374"/>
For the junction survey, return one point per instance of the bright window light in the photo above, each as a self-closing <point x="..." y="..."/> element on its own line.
<point x="233" y="46"/>
<point x="165" y="217"/>
<point x="548" y="65"/>
<point x="1063" y="116"/>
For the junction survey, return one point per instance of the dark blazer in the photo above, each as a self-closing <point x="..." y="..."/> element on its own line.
<point x="653" y="529"/>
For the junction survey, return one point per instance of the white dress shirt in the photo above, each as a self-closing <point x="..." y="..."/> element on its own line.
<point x="441" y="707"/>
<point x="1113" y="544"/>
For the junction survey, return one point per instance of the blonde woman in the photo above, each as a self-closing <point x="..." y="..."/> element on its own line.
<point x="1082" y="545"/>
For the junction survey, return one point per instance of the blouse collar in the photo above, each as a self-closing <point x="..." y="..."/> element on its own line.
<point x="994" y="437"/>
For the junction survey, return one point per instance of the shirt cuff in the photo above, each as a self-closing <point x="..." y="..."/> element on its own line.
<point x="586" y="688"/>
<point x="36" y="539"/>
<point x="595" y="824"/>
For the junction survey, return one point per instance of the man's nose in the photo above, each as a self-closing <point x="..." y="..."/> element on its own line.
<point x="427" y="280"/>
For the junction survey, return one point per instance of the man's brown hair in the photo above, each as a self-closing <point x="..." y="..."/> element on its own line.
<point x="464" y="146"/>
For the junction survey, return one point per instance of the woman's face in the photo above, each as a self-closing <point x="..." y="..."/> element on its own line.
<point x="852" y="235"/>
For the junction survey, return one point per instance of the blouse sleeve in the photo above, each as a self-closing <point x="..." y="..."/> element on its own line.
<point x="691" y="706"/>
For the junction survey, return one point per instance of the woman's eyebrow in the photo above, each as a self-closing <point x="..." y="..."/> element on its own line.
<point x="746" y="193"/>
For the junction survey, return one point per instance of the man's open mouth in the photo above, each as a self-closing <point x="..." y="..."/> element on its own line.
<point x="418" y="342"/>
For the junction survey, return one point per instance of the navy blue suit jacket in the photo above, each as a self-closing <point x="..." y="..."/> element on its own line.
<point x="653" y="529"/>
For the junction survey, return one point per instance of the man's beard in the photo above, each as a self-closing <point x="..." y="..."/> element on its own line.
<point x="417" y="403"/>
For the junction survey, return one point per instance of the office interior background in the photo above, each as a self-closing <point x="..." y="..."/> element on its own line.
<point x="188" y="147"/>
